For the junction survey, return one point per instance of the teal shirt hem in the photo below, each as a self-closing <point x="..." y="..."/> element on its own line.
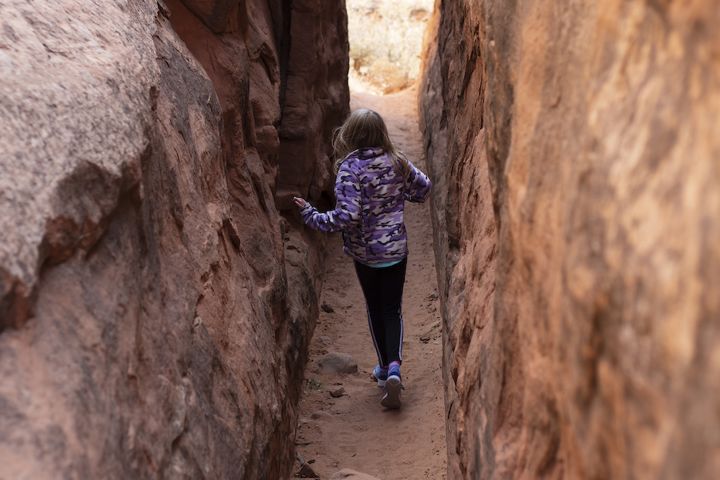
<point x="384" y="264"/>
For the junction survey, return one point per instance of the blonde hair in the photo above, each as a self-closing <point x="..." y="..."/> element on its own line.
<point x="365" y="128"/>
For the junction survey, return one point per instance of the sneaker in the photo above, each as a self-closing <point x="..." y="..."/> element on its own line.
<point x="380" y="374"/>
<point x="393" y="387"/>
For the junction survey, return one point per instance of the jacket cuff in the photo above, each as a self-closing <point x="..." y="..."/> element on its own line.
<point x="306" y="210"/>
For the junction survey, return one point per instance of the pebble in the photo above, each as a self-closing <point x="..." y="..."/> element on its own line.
<point x="320" y="414"/>
<point x="334" y="362"/>
<point x="348" y="474"/>
<point x="338" y="392"/>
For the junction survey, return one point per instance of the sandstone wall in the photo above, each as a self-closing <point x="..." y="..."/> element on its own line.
<point x="155" y="307"/>
<point x="575" y="155"/>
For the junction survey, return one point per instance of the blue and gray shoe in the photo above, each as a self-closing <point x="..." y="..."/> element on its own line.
<point x="393" y="387"/>
<point x="380" y="374"/>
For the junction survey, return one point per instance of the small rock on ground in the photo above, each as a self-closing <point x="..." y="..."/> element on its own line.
<point x="348" y="474"/>
<point x="320" y="414"/>
<point x="337" y="392"/>
<point x="334" y="362"/>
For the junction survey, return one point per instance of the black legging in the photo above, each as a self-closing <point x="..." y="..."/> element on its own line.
<point x="383" y="290"/>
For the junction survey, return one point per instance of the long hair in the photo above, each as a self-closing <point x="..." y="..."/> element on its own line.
<point x="365" y="128"/>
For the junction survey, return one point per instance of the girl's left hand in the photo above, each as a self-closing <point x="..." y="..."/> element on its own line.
<point x="300" y="202"/>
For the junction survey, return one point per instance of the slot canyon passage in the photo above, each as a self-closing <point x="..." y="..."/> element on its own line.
<point x="353" y="432"/>
<point x="159" y="293"/>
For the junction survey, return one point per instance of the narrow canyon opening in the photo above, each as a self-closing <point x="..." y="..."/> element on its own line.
<point x="159" y="291"/>
<point x="343" y="430"/>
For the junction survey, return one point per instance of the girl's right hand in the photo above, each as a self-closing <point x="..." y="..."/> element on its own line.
<point x="300" y="202"/>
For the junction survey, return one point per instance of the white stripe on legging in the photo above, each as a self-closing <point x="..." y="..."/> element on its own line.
<point x="402" y="333"/>
<point x="372" y="334"/>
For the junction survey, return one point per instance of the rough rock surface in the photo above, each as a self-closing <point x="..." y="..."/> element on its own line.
<point x="154" y="306"/>
<point x="574" y="150"/>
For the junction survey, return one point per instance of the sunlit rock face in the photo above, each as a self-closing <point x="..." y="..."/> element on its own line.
<point x="155" y="307"/>
<point x="574" y="150"/>
<point x="386" y="42"/>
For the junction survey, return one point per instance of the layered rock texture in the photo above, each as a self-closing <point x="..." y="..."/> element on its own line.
<point x="576" y="162"/>
<point x="154" y="305"/>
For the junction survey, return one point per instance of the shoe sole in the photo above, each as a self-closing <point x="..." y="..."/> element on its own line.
<point x="393" y="387"/>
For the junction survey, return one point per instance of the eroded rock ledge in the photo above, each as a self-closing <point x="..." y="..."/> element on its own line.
<point x="154" y="305"/>
<point x="575" y="152"/>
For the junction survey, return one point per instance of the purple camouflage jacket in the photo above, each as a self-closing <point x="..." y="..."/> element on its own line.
<point x="370" y="203"/>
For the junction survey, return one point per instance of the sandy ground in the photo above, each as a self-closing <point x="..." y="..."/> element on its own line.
<point x="354" y="431"/>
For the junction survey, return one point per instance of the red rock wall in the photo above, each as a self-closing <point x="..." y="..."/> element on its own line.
<point x="576" y="208"/>
<point x="155" y="307"/>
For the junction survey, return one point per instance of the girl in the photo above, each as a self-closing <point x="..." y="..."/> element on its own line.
<point x="374" y="180"/>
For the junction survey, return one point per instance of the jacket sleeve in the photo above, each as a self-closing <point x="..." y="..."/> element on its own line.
<point x="417" y="185"/>
<point x="347" y="207"/>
